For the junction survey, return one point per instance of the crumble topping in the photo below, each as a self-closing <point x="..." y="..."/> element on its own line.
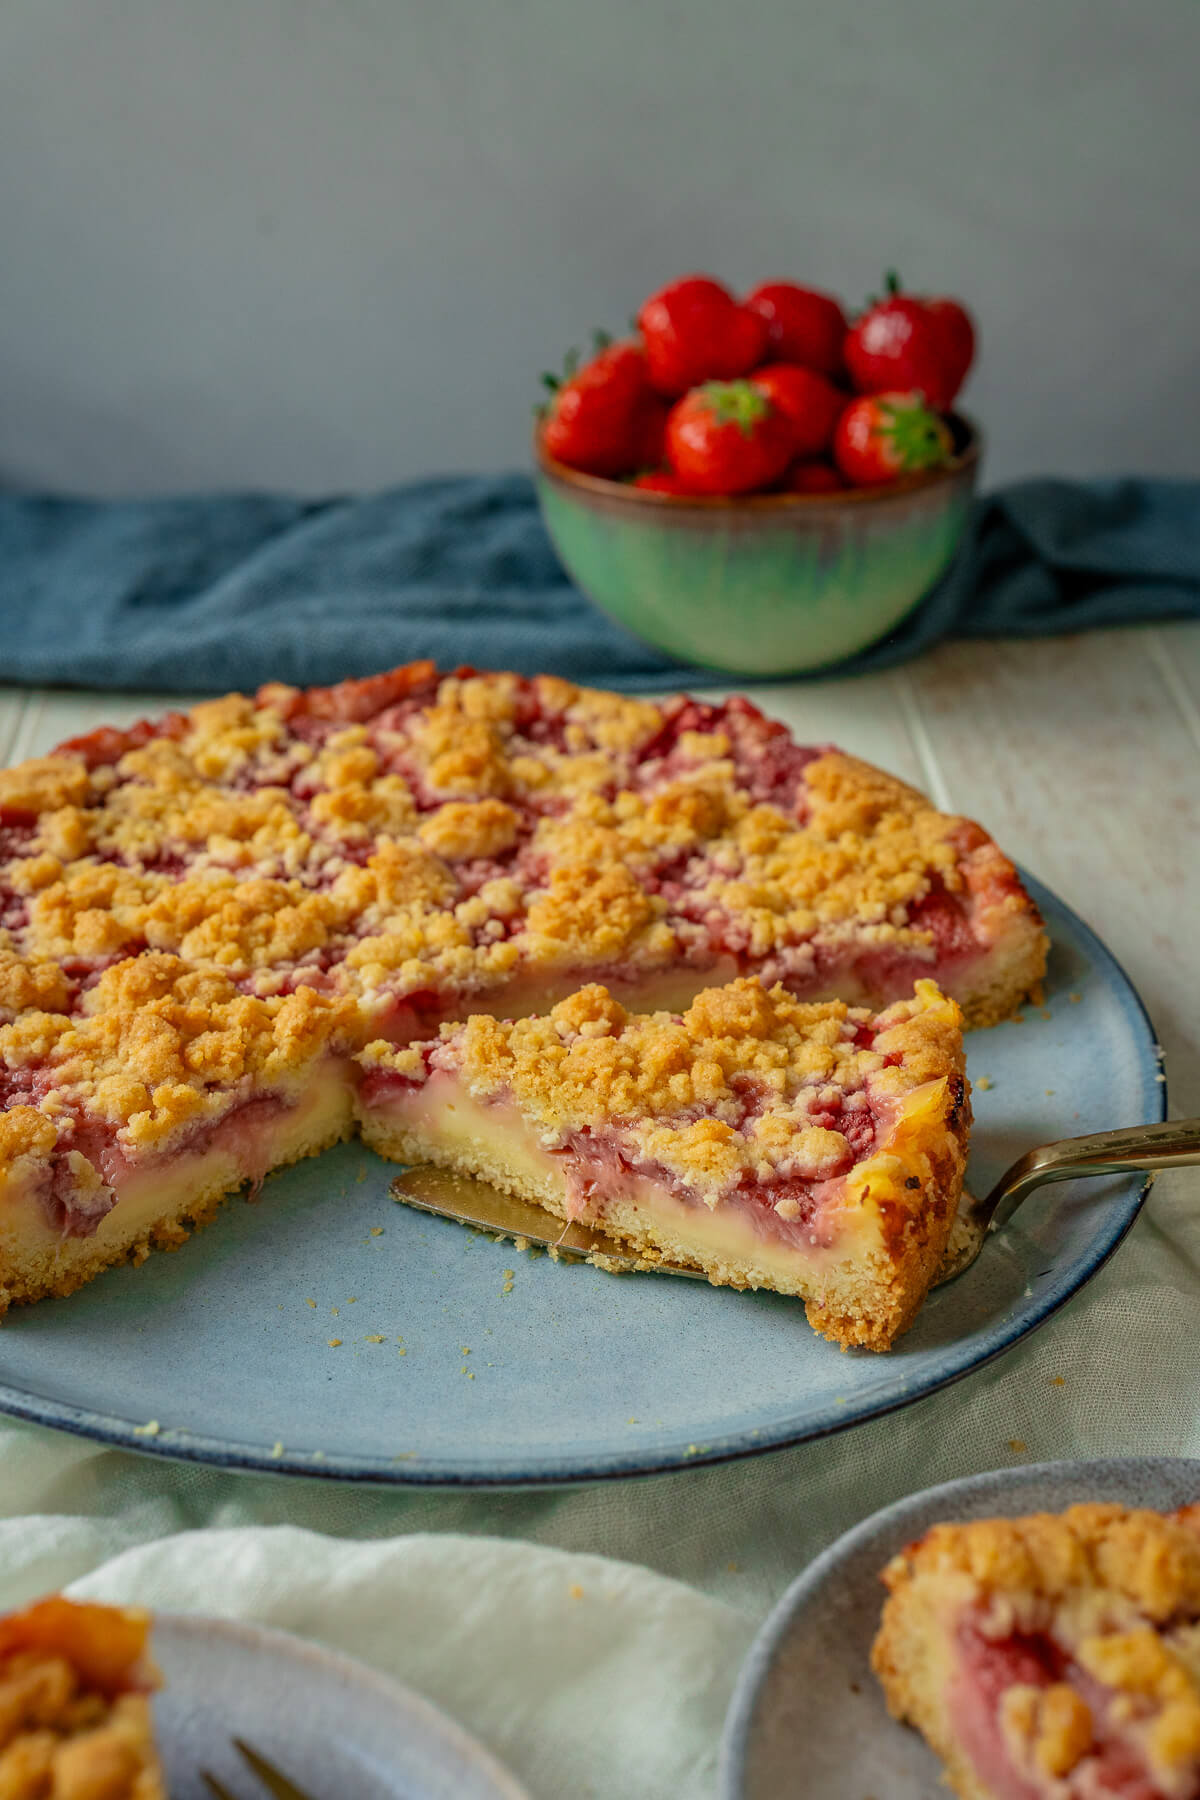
<point x="24" y="985"/>
<point x="462" y="830"/>
<point x="622" y="830"/>
<point x="74" y="1724"/>
<point x="1055" y="1723"/>
<point x="594" y="914"/>
<point x="741" y="1084"/>
<point x="1150" y="1559"/>
<point x="191" y="905"/>
<point x="24" y="1131"/>
<point x="43" y="784"/>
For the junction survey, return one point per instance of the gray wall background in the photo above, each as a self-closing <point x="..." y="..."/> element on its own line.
<point x="321" y="243"/>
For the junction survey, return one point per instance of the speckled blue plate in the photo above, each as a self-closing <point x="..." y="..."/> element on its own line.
<point x="321" y="1718"/>
<point x="807" y="1716"/>
<point x="451" y="1371"/>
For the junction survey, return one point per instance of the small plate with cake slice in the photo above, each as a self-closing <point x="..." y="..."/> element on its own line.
<point x="113" y="1703"/>
<point x="1027" y="1634"/>
<point x="653" y="966"/>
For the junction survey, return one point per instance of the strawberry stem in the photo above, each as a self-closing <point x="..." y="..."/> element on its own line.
<point x="891" y="282"/>
<point x="737" y="403"/>
<point x="917" y="437"/>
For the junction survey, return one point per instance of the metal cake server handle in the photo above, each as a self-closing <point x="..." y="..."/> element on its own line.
<point x="1173" y="1144"/>
<point x="1136" y="1147"/>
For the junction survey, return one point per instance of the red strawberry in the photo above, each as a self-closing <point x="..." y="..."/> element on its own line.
<point x="906" y="342"/>
<point x="598" y="419"/>
<point x="728" y="438"/>
<point x="805" y="327"/>
<point x="694" y="330"/>
<point x="662" y="481"/>
<point x="813" y="404"/>
<point x="652" y="435"/>
<point x="883" y="436"/>
<point x="958" y="337"/>
<point x="812" y="478"/>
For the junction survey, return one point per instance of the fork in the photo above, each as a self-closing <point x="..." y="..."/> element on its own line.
<point x="271" y="1777"/>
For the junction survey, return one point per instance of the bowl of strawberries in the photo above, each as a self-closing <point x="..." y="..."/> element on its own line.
<point x="762" y="486"/>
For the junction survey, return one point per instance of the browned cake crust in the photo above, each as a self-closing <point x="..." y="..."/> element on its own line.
<point x="74" y="1711"/>
<point x="1095" y="1611"/>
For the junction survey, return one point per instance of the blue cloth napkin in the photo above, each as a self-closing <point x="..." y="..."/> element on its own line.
<point x="192" y="594"/>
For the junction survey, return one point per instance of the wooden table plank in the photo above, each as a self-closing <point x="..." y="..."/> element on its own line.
<point x="1076" y="754"/>
<point x="50" y="715"/>
<point x="1175" y="651"/>
<point x="12" y="706"/>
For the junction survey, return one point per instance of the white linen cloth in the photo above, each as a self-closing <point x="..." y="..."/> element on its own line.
<point x="591" y="1637"/>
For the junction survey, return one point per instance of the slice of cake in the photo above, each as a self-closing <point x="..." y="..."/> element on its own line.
<point x="75" y="1721"/>
<point x="811" y="1148"/>
<point x="1055" y="1657"/>
<point x="203" y="918"/>
<point x="129" y="1119"/>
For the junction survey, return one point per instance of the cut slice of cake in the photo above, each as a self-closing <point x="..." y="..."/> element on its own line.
<point x="1055" y="1657"/>
<point x="811" y="1148"/>
<point x="128" y="1121"/>
<point x="204" y="917"/>
<point x="75" y="1721"/>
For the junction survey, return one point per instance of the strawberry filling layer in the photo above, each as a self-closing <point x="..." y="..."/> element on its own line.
<point x="598" y="1163"/>
<point x="987" y="1669"/>
<point x="596" y="1168"/>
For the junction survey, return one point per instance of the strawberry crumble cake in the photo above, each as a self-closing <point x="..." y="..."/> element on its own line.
<point x="1055" y="1657"/>
<point x="205" y="918"/>
<point x="807" y="1147"/>
<point x="74" y="1709"/>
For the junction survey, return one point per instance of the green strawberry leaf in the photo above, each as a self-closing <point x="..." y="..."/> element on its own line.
<point x="916" y="437"/>
<point x="737" y="403"/>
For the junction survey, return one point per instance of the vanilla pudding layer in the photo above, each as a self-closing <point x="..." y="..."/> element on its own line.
<point x="838" y="1259"/>
<point x="154" y="1202"/>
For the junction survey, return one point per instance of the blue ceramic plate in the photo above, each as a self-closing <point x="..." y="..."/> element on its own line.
<point x="807" y="1716"/>
<point x="327" y="1722"/>
<point x="221" y="1352"/>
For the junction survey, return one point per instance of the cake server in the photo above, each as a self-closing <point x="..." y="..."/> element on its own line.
<point x="1127" y="1151"/>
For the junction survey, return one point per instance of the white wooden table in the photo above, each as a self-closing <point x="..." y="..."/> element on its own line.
<point x="1082" y="756"/>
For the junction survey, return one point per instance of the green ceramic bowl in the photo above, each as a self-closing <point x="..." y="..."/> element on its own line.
<point x="773" y="584"/>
